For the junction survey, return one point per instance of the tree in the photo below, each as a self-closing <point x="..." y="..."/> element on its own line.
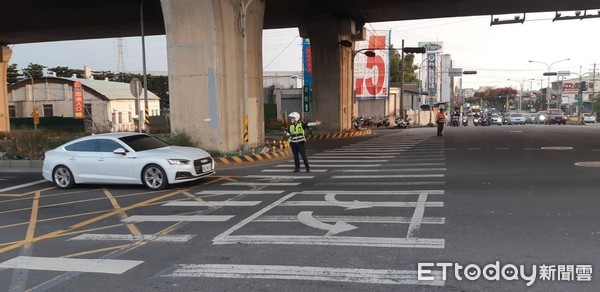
<point x="496" y="97"/>
<point x="35" y="70"/>
<point x="396" y="67"/>
<point x="12" y="74"/>
<point x="67" y="72"/>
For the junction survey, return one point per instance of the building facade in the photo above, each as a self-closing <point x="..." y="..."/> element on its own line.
<point x="107" y="106"/>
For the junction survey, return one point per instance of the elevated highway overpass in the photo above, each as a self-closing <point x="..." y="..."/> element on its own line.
<point x="215" y="48"/>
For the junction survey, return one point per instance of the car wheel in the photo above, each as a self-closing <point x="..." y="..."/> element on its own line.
<point x="63" y="177"/>
<point x="154" y="177"/>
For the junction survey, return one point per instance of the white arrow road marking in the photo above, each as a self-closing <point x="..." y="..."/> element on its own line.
<point x="261" y="184"/>
<point x="357" y="219"/>
<point x="318" y="160"/>
<point x="330" y="198"/>
<point x="307" y="273"/>
<point x="104" y="266"/>
<point x="307" y="219"/>
<point x="393" y="170"/>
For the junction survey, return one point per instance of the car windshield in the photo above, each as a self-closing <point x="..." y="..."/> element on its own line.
<point x="555" y="112"/>
<point x="144" y="142"/>
<point x="517" y="115"/>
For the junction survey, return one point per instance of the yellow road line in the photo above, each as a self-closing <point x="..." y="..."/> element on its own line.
<point x="97" y="250"/>
<point x="132" y="228"/>
<point x="98" y="218"/>
<point x="33" y="218"/>
<point x="100" y="211"/>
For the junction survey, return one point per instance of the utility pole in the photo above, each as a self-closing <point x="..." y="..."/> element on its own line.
<point x="402" y="79"/>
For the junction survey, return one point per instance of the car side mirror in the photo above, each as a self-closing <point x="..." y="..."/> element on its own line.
<point x="120" y="151"/>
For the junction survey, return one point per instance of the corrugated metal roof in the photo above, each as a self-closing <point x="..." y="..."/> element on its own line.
<point x="112" y="90"/>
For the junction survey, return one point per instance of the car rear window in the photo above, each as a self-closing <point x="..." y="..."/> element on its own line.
<point x="556" y="112"/>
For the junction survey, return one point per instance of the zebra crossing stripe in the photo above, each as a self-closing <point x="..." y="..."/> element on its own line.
<point x="177" y="218"/>
<point x="103" y="266"/>
<point x="130" y="237"/>
<point x="307" y="273"/>
<point x="212" y="204"/>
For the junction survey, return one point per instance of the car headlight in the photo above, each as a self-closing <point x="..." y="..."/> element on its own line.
<point x="542" y="118"/>
<point x="178" y="161"/>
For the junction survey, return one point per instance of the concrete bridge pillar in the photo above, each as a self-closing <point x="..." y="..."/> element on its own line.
<point x="332" y="52"/>
<point x="5" y="54"/>
<point x="214" y="53"/>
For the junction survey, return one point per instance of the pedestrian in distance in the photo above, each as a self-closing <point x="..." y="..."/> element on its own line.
<point x="298" y="139"/>
<point x="440" y="119"/>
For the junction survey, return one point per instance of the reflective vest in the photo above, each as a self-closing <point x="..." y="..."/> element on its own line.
<point x="297" y="133"/>
<point x="441" y="116"/>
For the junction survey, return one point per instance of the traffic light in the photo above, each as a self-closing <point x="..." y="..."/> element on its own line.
<point x="582" y="86"/>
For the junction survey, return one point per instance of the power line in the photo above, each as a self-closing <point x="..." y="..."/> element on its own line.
<point x="280" y="53"/>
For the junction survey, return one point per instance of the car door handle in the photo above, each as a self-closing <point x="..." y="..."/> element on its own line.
<point x="100" y="159"/>
<point x="72" y="158"/>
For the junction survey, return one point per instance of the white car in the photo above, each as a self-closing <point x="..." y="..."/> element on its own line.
<point x="589" y="118"/>
<point x="516" y="119"/>
<point x="125" y="158"/>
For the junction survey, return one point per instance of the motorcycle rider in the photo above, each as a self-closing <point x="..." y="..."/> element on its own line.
<point x="297" y="140"/>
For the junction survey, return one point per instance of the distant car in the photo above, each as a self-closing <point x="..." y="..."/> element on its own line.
<point x="125" y="158"/>
<point x="516" y="119"/>
<point x="589" y="118"/>
<point x="556" y="116"/>
<point x="540" y="118"/>
<point x="496" y="119"/>
<point x="530" y="119"/>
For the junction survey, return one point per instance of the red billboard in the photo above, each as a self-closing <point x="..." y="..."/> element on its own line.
<point x="78" y="107"/>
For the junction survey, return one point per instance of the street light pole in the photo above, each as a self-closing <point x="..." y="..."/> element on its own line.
<point x="548" y="88"/>
<point x="32" y="98"/>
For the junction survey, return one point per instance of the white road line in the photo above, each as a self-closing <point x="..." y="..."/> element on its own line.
<point x="365" y="154"/>
<point x="393" y="170"/>
<point x="281" y="176"/>
<point x="335" y="165"/>
<point x="355" y="219"/>
<point x="307" y="273"/>
<point x="501" y="148"/>
<point x="473" y="148"/>
<point x="367" y="159"/>
<point x="22" y="185"/>
<point x="212" y="204"/>
<point x="423" y="164"/>
<point x="388" y="176"/>
<point x="334" y="240"/>
<point x="177" y="218"/>
<point x="234" y="192"/>
<point x="382" y="183"/>
<point x="344" y="160"/>
<point x="290" y="170"/>
<point x="417" y="218"/>
<point x="130" y="237"/>
<point x="103" y="266"/>
<point x="374" y="193"/>
<point x="359" y="205"/>
<point x="260" y="184"/>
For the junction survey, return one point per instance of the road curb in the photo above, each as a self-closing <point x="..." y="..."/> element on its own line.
<point x="339" y="135"/>
<point x="230" y="160"/>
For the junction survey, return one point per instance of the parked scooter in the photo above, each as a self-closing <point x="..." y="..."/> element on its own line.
<point x="402" y="123"/>
<point x="383" y="122"/>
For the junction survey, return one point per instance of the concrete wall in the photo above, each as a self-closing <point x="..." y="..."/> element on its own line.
<point x="215" y="61"/>
<point x="5" y="54"/>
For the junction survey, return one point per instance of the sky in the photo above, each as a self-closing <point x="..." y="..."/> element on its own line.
<point x="497" y="53"/>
